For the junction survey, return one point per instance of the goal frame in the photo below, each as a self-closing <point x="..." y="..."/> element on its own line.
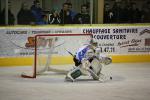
<point x="35" y="50"/>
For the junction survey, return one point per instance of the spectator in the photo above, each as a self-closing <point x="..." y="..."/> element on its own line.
<point x="108" y="14"/>
<point x="37" y="12"/>
<point x="65" y="15"/>
<point x="83" y="17"/>
<point x="25" y="16"/>
<point x="11" y="18"/>
<point x="117" y="12"/>
<point x="54" y="17"/>
<point x="72" y="13"/>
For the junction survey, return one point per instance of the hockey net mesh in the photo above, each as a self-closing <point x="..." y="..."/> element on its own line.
<point x="55" y="49"/>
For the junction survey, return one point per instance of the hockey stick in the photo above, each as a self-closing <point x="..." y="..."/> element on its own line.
<point x="70" y="53"/>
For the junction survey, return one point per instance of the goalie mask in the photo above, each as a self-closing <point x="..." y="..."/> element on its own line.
<point x="90" y="53"/>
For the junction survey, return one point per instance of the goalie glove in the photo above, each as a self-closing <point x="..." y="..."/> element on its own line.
<point x="107" y="60"/>
<point x="76" y="61"/>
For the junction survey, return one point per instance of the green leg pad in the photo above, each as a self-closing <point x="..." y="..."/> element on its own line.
<point x="76" y="74"/>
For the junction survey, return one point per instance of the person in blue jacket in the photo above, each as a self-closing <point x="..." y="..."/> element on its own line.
<point x="37" y="12"/>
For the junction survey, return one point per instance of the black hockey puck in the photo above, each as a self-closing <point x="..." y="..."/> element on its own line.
<point x="110" y="78"/>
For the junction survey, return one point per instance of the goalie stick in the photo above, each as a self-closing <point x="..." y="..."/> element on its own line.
<point x="70" y="53"/>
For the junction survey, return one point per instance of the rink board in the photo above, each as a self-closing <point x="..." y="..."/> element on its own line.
<point x="132" y="46"/>
<point x="28" y="61"/>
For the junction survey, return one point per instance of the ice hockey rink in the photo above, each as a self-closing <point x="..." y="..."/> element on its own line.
<point x="131" y="81"/>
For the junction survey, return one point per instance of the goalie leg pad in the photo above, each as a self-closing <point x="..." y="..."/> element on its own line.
<point x="93" y="74"/>
<point x="95" y="69"/>
<point x="73" y="74"/>
<point x="76" y="73"/>
<point x="96" y="66"/>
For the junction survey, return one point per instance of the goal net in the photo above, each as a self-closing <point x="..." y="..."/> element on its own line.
<point x="55" y="49"/>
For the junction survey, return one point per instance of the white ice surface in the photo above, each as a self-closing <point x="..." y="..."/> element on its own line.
<point x="131" y="81"/>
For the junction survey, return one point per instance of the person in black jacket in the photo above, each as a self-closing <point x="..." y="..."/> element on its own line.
<point x="108" y="14"/>
<point x="83" y="17"/>
<point x="54" y="17"/>
<point x="11" y="18"/>
<point x="25" y="16"/>
<point x="117" y="12"/>
<point x="65" y="14"/>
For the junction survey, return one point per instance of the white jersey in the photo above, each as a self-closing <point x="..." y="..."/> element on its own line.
<point x="81" y="53"/>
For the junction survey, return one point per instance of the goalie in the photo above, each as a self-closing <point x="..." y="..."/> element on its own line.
<point x="88" y="62"/>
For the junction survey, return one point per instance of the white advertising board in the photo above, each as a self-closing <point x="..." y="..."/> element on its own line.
<point x="111" y="40"/>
